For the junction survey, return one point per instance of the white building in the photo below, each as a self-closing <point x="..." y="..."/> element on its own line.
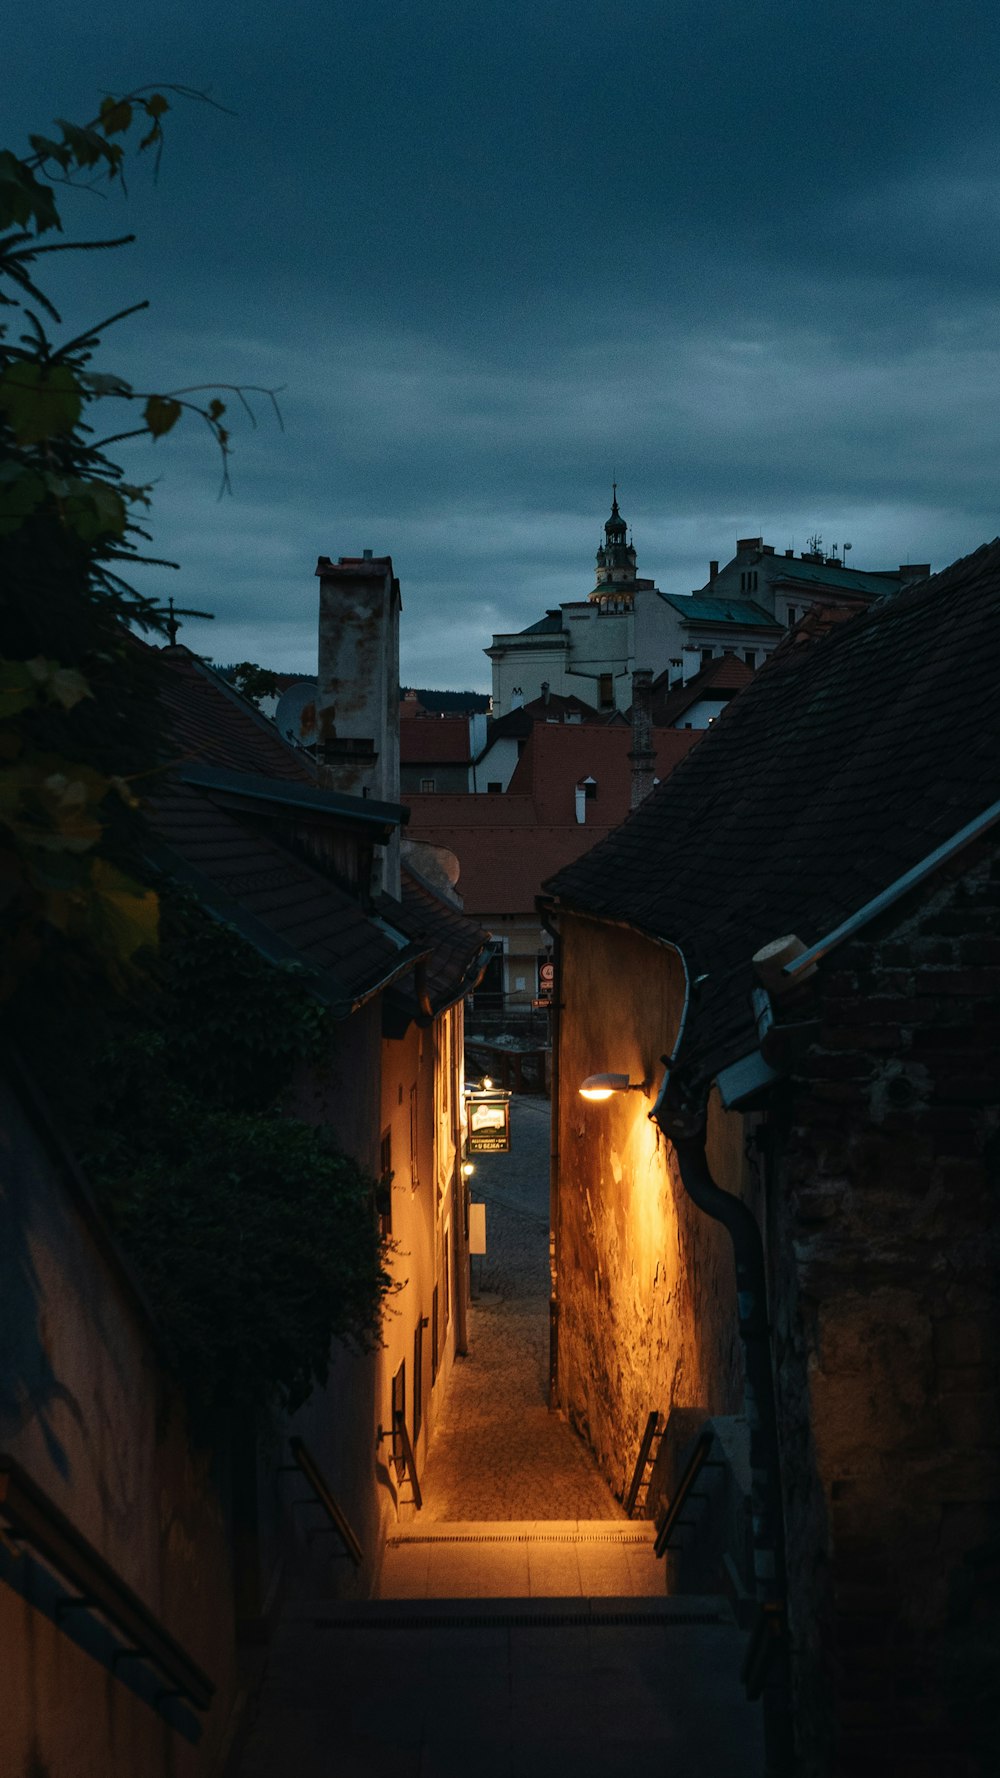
<point x="591" y="646"/>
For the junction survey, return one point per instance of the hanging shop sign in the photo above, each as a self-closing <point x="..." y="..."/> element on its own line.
<point x="487" y="1121"/>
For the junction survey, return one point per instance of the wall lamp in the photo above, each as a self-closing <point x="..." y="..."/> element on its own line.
<point x="601" y="1086"/>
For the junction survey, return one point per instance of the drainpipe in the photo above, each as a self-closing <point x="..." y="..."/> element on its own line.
<point x="556" y="937"/>
<point x="682" y="1118"/>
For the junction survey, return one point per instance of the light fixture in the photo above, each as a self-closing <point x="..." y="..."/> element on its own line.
<point x="601" y="1086"/>
<point x="487" y="1083"/>
<point x="467" y="1169"/>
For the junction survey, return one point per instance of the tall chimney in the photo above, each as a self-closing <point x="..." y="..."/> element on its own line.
<point x="357" y="695"/>
<point x="713" y="571"/>
<point x="641" y="752"/>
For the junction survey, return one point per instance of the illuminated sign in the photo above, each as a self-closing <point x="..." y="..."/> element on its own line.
<point x="487" y="1119"/>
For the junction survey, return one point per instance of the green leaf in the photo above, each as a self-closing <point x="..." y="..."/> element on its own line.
<point x="126" y="911"/>
<point x="156" y="105"/>
<point x="94" y="509"/>
<point x="40" y="401"/>
<point x="23" y="198"/>
<point x="116" y="116"/>
<point x="161" y="413"/>
<point x="22" y="491"/>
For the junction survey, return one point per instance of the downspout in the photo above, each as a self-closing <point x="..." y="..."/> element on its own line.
<point x="682" y="1116"/>
<point x="556" y="937"/>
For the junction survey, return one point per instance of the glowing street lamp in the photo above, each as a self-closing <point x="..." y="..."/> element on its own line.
<point x="602" y="1086"/>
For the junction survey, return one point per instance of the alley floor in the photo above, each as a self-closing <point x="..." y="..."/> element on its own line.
<point x="497" y="1451"/>
<point x="522" y="1626"/>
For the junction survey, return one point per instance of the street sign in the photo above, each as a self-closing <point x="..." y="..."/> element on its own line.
<point x="487" y="1116"/>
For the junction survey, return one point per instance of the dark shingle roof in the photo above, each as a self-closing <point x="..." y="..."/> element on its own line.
<point x="845" y="762"/>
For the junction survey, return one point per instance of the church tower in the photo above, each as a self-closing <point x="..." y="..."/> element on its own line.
<point x="615" y="556"/>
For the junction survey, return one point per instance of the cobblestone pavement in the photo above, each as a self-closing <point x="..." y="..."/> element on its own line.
<point x="498" y="1452"/>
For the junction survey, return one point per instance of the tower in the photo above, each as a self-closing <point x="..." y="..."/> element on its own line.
<point x="615" y="556"/>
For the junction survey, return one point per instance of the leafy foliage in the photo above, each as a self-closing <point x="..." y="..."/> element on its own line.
<point x="255" y="1239"/>
<point x="78" y="712"/>
<point x="254" y="682"/>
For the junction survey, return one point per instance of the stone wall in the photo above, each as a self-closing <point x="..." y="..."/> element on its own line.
<point x="646" y="1293"/>
<point x="884" y="1250"/>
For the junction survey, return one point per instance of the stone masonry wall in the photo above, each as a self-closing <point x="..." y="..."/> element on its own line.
<point x="884" y="1254"/>
<point x="645" y="1282"/>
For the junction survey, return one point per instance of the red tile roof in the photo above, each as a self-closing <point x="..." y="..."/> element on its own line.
<point x="844" y="763"/>
<point x="722" y="678"/>
<point x="434" y="740"/>
<point x="211" y="722"/>
<point x="558" y="756"/>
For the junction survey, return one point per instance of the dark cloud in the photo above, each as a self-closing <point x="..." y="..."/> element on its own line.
<point x="745" y="256"/>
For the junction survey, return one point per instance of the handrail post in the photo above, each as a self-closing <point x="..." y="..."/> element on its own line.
<point x="641" y="1461"/>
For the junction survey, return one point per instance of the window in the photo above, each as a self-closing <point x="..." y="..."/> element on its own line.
<point x="590" y="788"/>
<point x="428" y="783"/>
<point x="418" y="1376"/>
<point x="383" y="1191"/>
<point x="750" y="656"/>
<point x="398" y="1415"/>
<point x="494" y="787"/>
<point x="791" y="615"/>
<point x="706" y="656"/>
<point x="605" y="690"/>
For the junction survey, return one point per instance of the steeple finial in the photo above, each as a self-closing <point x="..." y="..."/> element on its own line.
<point x="172" y="625"/>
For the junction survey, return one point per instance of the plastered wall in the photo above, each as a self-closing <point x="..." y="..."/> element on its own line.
<point x="645" y="1282"/>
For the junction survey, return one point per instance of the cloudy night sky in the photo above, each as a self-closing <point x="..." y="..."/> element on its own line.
<point x="742" y="255"/>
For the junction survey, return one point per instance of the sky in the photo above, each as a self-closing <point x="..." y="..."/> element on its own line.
<point x="741" y="255"/>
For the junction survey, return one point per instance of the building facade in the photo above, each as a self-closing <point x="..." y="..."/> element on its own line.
<point x="592" y="646"/>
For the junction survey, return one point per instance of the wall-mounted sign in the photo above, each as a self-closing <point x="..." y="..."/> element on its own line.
<point x="487" y="1116"/>
<point x="477" y="1228"/>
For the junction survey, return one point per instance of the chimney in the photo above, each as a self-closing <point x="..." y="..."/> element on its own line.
<point x="713" y="571"/>
<point x="357" y="695"/>
<point x="581" y="802"/>
<point x="914" y="570"/>
<point x="641" y="752"/>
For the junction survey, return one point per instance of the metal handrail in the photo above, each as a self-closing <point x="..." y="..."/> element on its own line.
<point x="672" y="1516"/>
<point x="641" y="1461"/>
<point x="33" y="1518"/>
<point x="321" y="1492"/>
<point x="409" y="1461"/>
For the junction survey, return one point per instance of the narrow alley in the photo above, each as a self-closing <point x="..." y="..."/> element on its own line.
<point x="571" y="1657"/>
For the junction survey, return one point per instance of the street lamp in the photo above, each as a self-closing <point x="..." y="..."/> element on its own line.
<point x="601" y="1086"/>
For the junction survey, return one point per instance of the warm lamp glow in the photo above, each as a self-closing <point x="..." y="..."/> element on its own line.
<point x="487" y="1083"/>
<point x="467" y="1169"/>
<point x="601" y="1086"/>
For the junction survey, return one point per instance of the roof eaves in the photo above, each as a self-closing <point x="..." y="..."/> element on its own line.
<point x="323" y="984"/>
<point x="257" y="787"/>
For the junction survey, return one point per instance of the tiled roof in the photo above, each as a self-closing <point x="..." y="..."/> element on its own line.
<point x="208" y="828"/>
<point x="211" y="722"/>
<point x="722" y="678"/>
<point x="826" y="574"/>
<point x="549" y="625"/>
<point x="845" y="762"/>
<point x="455" y="942"/>
<point x="521" y="720"/>
<point x="434" y="740"/>
<point x="290" y="911"/>
<point x="503" y="866"/>
<point x="702" y="608"/>
<point x="558" y="756"/>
